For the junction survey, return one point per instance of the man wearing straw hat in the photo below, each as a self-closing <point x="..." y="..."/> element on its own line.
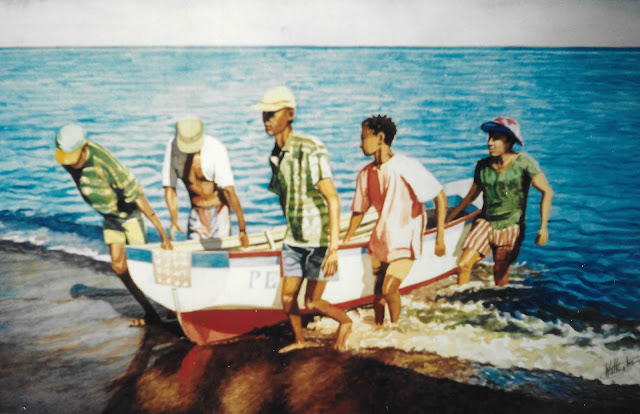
<point x="202" y="163"/>
<point x="108" y="187"/>
<point x="311" y="206"/>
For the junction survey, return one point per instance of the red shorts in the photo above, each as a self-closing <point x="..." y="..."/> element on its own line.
<point x="484" y="239"/>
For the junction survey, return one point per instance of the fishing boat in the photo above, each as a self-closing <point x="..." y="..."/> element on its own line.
<point x="219" y="290"/>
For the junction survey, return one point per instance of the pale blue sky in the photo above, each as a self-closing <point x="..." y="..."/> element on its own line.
<point x="322" y="23"/>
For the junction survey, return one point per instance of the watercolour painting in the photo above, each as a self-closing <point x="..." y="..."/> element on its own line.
<point x="562" y="336"/>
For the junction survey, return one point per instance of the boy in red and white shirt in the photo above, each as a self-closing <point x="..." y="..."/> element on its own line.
<point x="397" y="186"/>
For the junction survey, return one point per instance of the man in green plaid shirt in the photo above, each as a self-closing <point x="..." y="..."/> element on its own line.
<point x="311" y="206"/>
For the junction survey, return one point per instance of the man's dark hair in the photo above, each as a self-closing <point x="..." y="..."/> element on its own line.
<point x="382" y="123"/>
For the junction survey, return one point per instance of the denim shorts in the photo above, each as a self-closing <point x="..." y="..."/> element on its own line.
<point x="303" y="261"/>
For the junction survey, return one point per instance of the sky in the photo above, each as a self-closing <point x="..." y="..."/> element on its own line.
<point x="554" y="23"/>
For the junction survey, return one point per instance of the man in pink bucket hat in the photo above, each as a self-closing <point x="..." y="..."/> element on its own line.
<point x="503" y="178"/>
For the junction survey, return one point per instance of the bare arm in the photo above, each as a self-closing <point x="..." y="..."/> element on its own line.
<point x="473" y="193"/>
<point x="441" y="213"/>
<point x="232" y="198"/>
<point x="541" y="184"/>
<point x="171" y="197"/>
<point x="354" y="223"/>
<point x="147" y="210"/>
<point x="328" y="191"/>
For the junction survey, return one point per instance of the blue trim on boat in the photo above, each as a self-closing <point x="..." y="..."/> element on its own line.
<point x="210" y="259"/>
<point x="140" y="255"/>
<point x="204" y="259"/>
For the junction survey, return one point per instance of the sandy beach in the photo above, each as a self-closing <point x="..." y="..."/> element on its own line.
<point x="66" y="347"/>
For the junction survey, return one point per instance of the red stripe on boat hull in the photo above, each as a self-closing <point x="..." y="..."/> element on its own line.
<point x="216" y="325"/>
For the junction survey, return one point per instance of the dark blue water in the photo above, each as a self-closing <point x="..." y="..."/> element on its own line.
<point x="578" y="109"/>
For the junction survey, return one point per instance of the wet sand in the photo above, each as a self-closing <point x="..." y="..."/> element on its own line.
<point x="66" y="348"/>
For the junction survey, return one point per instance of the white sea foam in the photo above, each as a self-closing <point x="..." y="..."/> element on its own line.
<point x="472" y="332"/>
<point x="56" y="241"/>
<point x="39" y="237"/>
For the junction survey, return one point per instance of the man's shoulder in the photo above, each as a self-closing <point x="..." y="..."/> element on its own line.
<point x="402" y="159"/>
<point x="525" y="157"/>
<point x="404" y="164"/>
<point x="99" y="152"/>
<point x="171" y="147"/>
<point x="306" y="141"/>
<point x="97" y="147"/>
<point x="211" y="138"/>
<point x="213" y="142"/>
<point x="526" y="162"/>
<point x="103" y="158"/>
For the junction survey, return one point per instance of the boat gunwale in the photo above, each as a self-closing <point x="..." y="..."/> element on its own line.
<point x="242" y="254"/>
<point x="426" y="232"/>
<point x="269" y="253"/>
<point x="239" y="254"/>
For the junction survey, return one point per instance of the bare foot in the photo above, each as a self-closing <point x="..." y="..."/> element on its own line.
<point x="343" y="333"/>
<point x="142" y="322"/>
<point x="138" y="323"/>
<point x="294" y="346"/>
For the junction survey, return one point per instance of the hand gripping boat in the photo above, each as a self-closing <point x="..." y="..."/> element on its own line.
<point x="219" y="290"/>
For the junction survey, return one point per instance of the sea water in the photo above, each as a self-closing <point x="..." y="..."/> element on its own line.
<point x="572" y="306"/>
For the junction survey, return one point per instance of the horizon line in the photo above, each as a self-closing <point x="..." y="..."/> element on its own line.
<point x="314" y="46"/>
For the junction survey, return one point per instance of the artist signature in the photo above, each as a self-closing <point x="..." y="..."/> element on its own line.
<point x="618" y="367"/>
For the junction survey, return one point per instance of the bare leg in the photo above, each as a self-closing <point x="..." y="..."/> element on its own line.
<point x="314" y="301"/>
<point x="344" y="330"/>
<point x="378" y="308"/>
<point x="378" y="298"/>
<point x="290" y="290"/>
<point x="501" y="266"/>
<point x="119" y="266"/>
<point x="390" y="290"/>
<point x="465" y="264"/>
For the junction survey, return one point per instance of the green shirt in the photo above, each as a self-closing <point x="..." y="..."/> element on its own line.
<point x="297" y="168"/>
<point x="105" y="184"/>
<point x="505" y="193"/>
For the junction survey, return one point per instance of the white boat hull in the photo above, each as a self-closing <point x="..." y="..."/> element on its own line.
<point x="230" y="292"/>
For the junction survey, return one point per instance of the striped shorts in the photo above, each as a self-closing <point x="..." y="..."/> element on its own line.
<point x="483" y="238"/>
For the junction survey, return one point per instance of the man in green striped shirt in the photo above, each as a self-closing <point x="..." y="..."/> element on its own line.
<point x="311" y="206"/>
<point x="108" y="187"/>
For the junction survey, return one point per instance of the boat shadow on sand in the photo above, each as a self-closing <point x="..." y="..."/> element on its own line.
<point x="169" y="374"/>
<point x="248" y="375"/>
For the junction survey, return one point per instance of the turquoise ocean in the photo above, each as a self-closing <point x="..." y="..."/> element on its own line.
<point x="573" y="306"/>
